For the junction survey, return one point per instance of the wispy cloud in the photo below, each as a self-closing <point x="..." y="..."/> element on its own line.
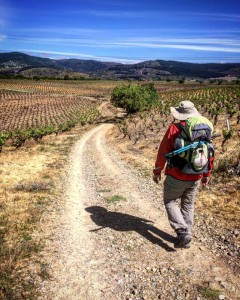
<point x="196" y="44"/>
<point x="80" y="55"/>
<point x="115" y="3"/>
<point x="201" y="41"/>
<point x="87" y="42"/>
<point x="121" y="14"/>
<point x="143" y="33"/>
<point x="2" y="22"/>
<point x="180" y="46"/>
<point x="60" y="30"/>
<point x="5" y="13"/>
<point x="131" y="13"/>
<point x="219" y="16"/>
<point x="2" y="37"/>
<point x="149" y="14"/>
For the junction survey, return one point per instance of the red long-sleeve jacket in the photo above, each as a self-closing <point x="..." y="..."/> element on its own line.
<point x="166" y="146"/>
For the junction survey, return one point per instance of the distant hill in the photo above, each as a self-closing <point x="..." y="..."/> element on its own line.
<point x="45" y="72"/>
<point x="22" y="60"/>
<point x="85" y="66"/>
<point x="18" y="63"/>
<point x="160" y="68"/>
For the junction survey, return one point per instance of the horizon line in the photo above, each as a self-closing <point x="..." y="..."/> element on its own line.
<point x="123" y="60"/>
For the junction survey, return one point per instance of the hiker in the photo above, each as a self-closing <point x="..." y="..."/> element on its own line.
<point x="182" y="180"/>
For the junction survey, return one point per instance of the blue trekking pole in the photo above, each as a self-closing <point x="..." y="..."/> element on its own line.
<point x="192" y="146"/>
<point x="183" y="149"/>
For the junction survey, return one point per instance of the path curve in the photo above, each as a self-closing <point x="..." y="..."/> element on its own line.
<point x="114" y="240"/>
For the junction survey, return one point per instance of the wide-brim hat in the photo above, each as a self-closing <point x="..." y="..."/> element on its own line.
<point x="185" y="110"/>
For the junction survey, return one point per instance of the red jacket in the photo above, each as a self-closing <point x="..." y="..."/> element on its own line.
<point x="166" y="146"/>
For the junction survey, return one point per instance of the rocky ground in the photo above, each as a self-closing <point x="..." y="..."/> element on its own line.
<point x="111" y="238"/>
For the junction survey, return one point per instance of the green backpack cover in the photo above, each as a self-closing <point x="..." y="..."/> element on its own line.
<point x="195" y="160"/>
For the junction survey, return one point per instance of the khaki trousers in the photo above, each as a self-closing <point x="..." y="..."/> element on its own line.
<point x="179" y="199"/>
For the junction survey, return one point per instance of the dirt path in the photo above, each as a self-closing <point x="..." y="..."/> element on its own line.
<point x="114" y="241"/>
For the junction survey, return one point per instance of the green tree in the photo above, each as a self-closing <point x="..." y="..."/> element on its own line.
<point x="182" y="80"/>
<point x="134" y="98"/>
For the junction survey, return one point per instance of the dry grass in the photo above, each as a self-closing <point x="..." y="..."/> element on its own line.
<point x="223" y="197"/>
<point x="29" y="187"/>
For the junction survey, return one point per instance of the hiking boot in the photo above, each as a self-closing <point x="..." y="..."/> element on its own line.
<point x="186" y="246"/>
<point x="183" y="239"/>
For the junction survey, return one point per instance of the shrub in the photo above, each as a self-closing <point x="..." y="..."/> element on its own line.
<point x="3" y="138"/>
<point x="115" y="198"/>
<point x="209" y="293"/>
<point x="37" y="134"/>
<point x="19" y="137"/>
<point x="227" y="135"/>
<point x="33" y="186"/>
<point x="181" y="80"/>
<point x="134" y="98"/>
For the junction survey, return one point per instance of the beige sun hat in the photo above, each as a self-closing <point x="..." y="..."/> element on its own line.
<point x="185" y="110"/>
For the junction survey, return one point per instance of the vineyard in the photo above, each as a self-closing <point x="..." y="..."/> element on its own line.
<point x="23" y="111"/>
<point x="32" y="109"/>
<point x="141" y="134"/>
<point x="80" y="88"/>
<point x="222" y="103"/>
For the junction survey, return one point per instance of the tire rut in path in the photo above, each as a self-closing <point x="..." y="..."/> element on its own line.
<point x="125" y="249"/>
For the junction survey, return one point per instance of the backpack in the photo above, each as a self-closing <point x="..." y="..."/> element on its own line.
<point x="195" y="136"/>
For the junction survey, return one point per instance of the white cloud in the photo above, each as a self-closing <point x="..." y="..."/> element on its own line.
<point x="156" y="14"/>
<point x="2" y="37"/>
<point x="2" y="22"/>
<point x="143" y="32"/>
<point x="179" y="46"/>
<point x="81" y="55"/>
<point x="197" y="41"/>
<point x="120" y="14"/>
<point x="197" y="44"/>
<point x="131" y="13"/>
<point x="55" y="30"/>
<point x="115" y="3"/>
<point x="229" y="17"/>
<point x="78" y="42"/>
<point x="5" y="13"/>
<point x="202" y="48"/>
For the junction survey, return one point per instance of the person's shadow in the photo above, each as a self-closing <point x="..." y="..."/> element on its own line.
<point x="124" y="222"/>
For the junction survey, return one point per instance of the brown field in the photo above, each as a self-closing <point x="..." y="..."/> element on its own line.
<point x="24" y="111"/>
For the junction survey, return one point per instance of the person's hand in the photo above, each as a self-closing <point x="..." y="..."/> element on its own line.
<point x="156" y="178"/>
<point x="205" y="181"/>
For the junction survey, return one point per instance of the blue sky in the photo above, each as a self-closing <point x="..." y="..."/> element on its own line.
<point x="126" y="31"/>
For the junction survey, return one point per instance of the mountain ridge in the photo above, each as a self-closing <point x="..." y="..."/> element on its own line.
<point x="16" y="62"/>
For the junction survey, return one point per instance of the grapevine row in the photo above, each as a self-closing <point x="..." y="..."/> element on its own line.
<point x="214" y="102"/>
<point x="26" y="116"/>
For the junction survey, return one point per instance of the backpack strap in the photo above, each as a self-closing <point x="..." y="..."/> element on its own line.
<point x="182" y="129"/>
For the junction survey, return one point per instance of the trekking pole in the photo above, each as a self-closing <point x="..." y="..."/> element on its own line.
<point x="194" y="145"/>
<point x="183" y="149"/>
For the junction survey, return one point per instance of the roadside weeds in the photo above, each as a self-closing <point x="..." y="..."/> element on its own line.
<point x="30" y="188"/>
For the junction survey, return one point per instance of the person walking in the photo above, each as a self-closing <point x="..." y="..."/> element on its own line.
<point x="180" y="189"/>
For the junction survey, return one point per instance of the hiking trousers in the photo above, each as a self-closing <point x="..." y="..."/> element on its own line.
<point x="179" y="197"/>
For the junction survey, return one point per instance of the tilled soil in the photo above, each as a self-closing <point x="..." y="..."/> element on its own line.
<point x="113" y="240"/>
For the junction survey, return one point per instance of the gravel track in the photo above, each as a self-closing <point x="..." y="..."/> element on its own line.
<point x="114" y="240"/>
